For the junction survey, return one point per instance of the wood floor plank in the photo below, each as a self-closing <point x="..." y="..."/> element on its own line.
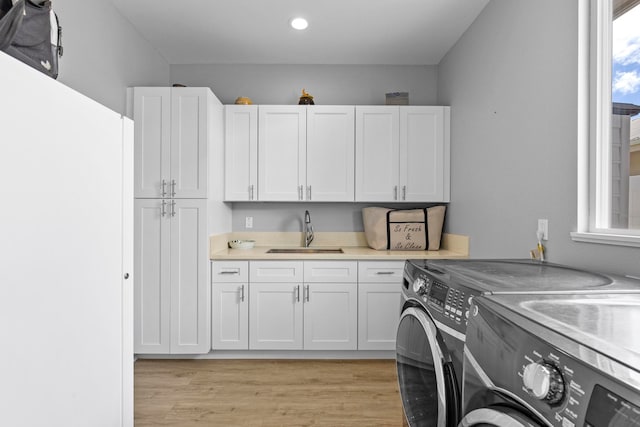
<point x="264" y="393"/>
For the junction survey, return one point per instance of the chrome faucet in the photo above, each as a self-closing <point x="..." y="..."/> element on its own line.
<point x="308" y="229"/>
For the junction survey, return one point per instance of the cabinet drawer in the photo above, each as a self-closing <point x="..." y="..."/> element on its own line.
<point x="380" y="271"/>
<point x="275" y="271"/>
<point x="330" y="271"/>
<point x="230" y="272"/>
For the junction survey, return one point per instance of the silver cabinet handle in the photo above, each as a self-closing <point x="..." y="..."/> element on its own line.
<point x="300" y="194"/>
<point x="307" y="292"/>
<point x="242" y="293"/>
<point x="163" y="211"/>
<point x="404" y="192"/>
<point x="173" y="188"/>
<point x="251" y="192"/>
<point x="173" y="208"/>
<point x="297" y="291"/>
<point x="384" y="272"/>
<point x="395" y="192"/>
<point x="309" y="193"/>
<point x="234" y="272"/>
<point x="163" y="188"/>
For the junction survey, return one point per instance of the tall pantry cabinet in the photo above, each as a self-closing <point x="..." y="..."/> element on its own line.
<point x="178" y="141"/>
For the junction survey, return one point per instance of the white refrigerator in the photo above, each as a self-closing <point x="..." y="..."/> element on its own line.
<point x="66" y="264"/>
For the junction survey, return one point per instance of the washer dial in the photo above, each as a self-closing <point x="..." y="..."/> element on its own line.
<point x="544" y="381"/>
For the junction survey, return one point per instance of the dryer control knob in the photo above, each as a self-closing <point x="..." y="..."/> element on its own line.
<point x="420" y="286"/>
<point x="544" y="381"/>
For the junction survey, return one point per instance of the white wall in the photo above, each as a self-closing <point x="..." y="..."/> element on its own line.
<point x="104" y="54"/>
<point x="328" y="84"/>
<point x="511" y="84"/>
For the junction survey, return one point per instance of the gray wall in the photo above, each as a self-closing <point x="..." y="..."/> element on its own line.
<point x="511" y="84"/>
<point x="104" y="54"/>
<point x="328" y="84"/>
<point x="289" y="216"/>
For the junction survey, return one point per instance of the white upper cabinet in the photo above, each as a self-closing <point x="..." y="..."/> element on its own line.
<point x="330" y="154"/>
<point x="377" y="153"/>
<point x="402" y="154"/>
<point x="171" y="136"/>
<point x="282" y="147"/>
<point x="424" y="154"/>
<point x="337" y="153"/>
<point x="241" y="152"/>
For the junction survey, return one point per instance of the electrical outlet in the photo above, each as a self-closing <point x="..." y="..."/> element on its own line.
<point x="248" y="222"/>
<point x="543" y="226"/>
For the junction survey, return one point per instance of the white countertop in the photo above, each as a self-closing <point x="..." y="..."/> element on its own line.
<point x="353" y="245"/>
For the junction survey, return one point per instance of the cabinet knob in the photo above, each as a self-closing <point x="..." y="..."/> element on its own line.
<point x="126" y="276"/>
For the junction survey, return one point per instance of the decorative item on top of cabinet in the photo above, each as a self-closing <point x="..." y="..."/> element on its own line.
<point x="402" y="153"/>
<point x="306" y="99"/>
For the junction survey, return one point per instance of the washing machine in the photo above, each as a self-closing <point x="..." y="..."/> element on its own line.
<point x="552" y="360"/>
<point x="436" y="301"/>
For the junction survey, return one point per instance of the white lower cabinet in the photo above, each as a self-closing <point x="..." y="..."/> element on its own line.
<point x="230" y="305"/>
<point x="378" y="304"/>
<point x="275" y="316"/>
<point x="305" y="305"/>
<point x="297" y="305"/>
<point x="171" y="289"/>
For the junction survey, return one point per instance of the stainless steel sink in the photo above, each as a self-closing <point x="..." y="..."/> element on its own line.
<point x="305" y="251"/>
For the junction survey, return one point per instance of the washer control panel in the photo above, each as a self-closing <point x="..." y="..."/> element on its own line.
<point x="453" y="304"/>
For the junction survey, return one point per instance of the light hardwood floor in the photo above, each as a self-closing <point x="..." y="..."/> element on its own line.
<point x="267" y="393"/>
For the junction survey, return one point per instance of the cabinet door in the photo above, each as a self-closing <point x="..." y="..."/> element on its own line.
<point x="282" y="156"/>
<point x="330" y="153"/>
<point x="330" y="316"/>
<point x="152" y="286"/>
<point x="152" y="136"/>
<point x="190" y="289"/>
<point x="378" y="315"/>
<point x="422" y="154"/>
<point x="275" y="316"/>
<point x="189" y="142"/>
<point x="230" y="316"/>
<point x="377" y="153"/>
<point x="241" y="152"/>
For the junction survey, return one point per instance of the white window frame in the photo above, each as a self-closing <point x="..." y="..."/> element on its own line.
<point x="594" y="126"/>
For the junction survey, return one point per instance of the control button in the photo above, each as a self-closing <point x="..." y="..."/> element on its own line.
<point x="458" y="319"/>
<point x="459" y="312"/>
<point x="466" y="314"/>
<point x="567" y="423"/>
<point x="419" y="286"/>
<point x="543" y="381"/>
<point x="447" y="307"/>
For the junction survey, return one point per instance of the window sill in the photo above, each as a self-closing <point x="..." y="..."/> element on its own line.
<point x="607" y="239"/>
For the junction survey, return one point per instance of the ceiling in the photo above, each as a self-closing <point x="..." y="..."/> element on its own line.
<point x="406" y="32"/>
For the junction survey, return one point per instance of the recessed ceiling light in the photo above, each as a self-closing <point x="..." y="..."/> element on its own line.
<point x="299" y="23"/>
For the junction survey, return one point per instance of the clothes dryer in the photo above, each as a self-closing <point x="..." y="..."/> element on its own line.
<point x="436" y="301"/>
<point x="554" y="361"/>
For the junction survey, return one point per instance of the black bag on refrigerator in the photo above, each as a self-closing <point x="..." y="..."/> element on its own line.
<point x="30" y="32"/>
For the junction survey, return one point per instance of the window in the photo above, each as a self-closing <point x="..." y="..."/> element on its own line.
<point x="608" y="122"/>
